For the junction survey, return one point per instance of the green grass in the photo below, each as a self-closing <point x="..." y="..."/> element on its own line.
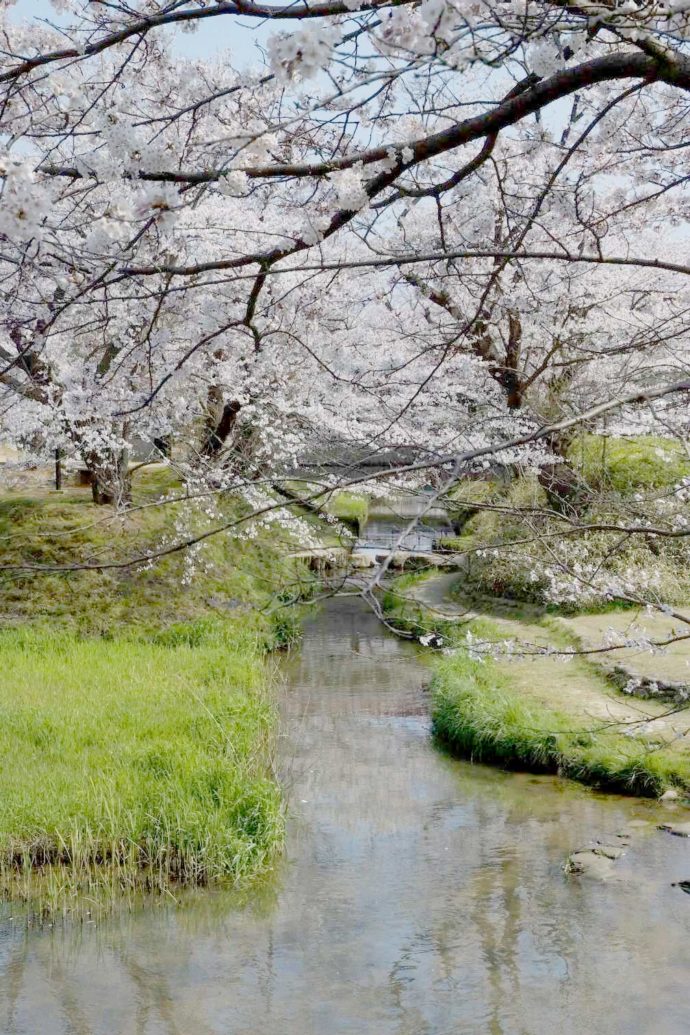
<point x="627" y="482"/>
<point x="150" y="758"/>
<point x="627" y="465"/>
<point x="468" y="494"/>
<point x="136" y="713"/>
<point x="403" y="611"/>
<point x="504" y="714"/>
<point x="477" y="715"/>
<point x="349" y="507"/>
<point x="244" y="579"/>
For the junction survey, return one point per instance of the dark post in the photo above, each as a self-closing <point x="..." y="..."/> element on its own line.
<point x="58" y="469"/>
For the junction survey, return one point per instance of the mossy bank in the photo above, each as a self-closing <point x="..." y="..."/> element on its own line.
<point x="137" y="716"/>
<point x="552" y="540"/>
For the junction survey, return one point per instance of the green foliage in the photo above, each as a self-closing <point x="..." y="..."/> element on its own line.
<point x="135" y="716"/>
<point x="510" y="574"/>
<point x="506" y="557"/>
<point x="403" y="612"/>
<point x="349" y="507"/>
<point x="479" y="716"/>
<point x="523" y="493"/>
<point x="628" y="465"/>
<point x="150" y="757"/>
<point x="465" y="497"/>
<point x="514" y="717"/>
<point x="472" y="491"/>
<point x="235" y="577"/>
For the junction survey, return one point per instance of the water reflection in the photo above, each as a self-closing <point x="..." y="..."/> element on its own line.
<point x="419" y="895"/>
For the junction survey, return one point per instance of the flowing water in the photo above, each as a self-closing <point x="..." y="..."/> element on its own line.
<point x="378" y="535"/>
<point x="387" y="525"/>
<point x="419" y="895"/>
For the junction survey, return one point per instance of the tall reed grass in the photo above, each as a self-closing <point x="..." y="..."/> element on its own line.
<point x="133" y="764"/>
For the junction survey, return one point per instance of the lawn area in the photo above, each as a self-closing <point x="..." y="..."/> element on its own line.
<point x="238" y="570"/>
<point x="136" y="710"/>
<point x="487" y="715"/>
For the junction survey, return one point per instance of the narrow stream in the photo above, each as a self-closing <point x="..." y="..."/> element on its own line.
<point x="419" y="895"/>
<point x="386" y="523"/>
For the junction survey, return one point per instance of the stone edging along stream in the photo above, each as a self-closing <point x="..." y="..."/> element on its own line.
<point x="646" y="687"/>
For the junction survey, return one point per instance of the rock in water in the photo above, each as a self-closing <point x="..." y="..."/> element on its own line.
<point x="679" y="829"/>
<point x="609" y="851"/>
<point x="596" y="861"/>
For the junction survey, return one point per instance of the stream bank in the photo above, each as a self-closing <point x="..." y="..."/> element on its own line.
<point x="138" y="715"/>
<point x="419" y="894"/>
<point x="538" y="704"/>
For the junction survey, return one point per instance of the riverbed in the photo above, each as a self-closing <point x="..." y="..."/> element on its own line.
<point x="419" y="895"/>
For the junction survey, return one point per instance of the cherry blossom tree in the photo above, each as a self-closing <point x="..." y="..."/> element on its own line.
<point x="450" y="226"/>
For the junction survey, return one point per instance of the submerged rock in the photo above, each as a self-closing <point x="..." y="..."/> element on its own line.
<point x="587" y="863"/>
<point x="609" y="851"/>
<point x="679" y="829"/>
<point x="594" y="861"/>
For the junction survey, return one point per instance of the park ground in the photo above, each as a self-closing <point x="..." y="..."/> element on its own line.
<point x="138" y="702"/>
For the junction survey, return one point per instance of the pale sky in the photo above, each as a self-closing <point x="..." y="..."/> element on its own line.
<point x="238" y="38"/>
<point x="214" y="35"/>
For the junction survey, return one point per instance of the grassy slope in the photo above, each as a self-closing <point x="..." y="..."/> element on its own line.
<point x="351" y="508"/>
<point x="135" y="722"/>
<point x="627" y="465"/>
<point x="229" y="571"/>
<point x="151" y="757"/>
<point x="621" y="476"/>
<point x="541" y="713"/>
<point x="480" y="713"/>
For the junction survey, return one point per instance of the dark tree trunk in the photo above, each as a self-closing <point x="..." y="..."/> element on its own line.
<point x="508" y="375"/>
<point x="220" y="421"/>
<point x="564" y="489"/>
<point x="110" y="481"/>
<point x="163" y="445"/>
